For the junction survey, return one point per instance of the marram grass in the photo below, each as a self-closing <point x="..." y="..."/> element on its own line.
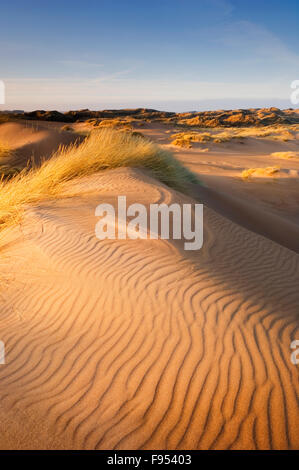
<point x="101" y="150"/>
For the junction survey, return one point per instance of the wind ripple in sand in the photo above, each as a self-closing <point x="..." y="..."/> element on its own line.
<point x="136" y="344"/>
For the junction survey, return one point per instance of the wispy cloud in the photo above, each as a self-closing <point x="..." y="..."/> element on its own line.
<point x="257" y="41"/>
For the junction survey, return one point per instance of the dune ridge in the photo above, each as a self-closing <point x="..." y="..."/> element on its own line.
<point x="138" y="344"/>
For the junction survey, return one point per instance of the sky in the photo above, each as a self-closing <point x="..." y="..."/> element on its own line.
<point x="176" y="55"/>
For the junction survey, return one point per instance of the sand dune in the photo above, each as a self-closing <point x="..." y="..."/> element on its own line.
<point x="268" y="206"/>
<point x="138" y="344"/>
<point x="33" y="141"/>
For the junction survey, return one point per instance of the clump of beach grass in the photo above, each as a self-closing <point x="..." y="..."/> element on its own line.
<point x="67" y="128"/>
<point x="185" y="139"/>
<point x="115" y="124"/>
<point x="219" y="136"/>
<point x="101" y="150"/>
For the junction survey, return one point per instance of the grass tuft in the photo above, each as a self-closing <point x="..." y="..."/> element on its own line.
<point x="219" y="136"/>
<point x="260" y="172"/>
<point x="6" y="170"/>
<point x="5" y="151"/>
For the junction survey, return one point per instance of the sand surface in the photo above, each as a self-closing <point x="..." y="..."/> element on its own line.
<point x="125" y="344"/>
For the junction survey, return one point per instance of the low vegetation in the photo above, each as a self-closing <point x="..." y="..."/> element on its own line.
<point x="6" y="170"/>
<point x="287" y="155"/>
<point x="5" y="151"/>
<point x="183" y="139"/>
<point x="67" y="128"/>
<point x="101" y="150"/>
<point x="119" y="124"/>
<point x="186" y="139"/>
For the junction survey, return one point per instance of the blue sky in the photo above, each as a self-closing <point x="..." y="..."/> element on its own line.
<point x="168" y="54"/>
